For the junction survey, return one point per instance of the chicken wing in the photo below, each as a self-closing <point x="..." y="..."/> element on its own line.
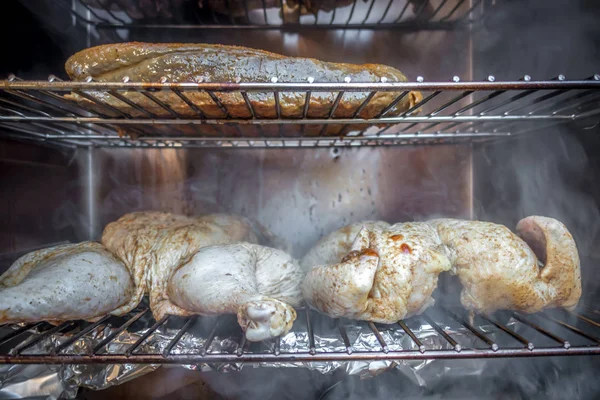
<point x="500" y="270"/>
<point x="259" y="284"/>
<point x="389" y="274"/>
<point x="61" y="283"/>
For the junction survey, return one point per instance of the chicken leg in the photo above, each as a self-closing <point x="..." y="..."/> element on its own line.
<point x="259" y="284"/>
<point x="500" y="270"/>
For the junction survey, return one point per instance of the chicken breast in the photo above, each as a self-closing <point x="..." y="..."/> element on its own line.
<point x="259" y="284"/>
<point x="61" y="283"/>
<point x="500" y="270"/>
<point x="333" y="247"/>
<point x="153" y="244"/>
<point x="389" y="274"/>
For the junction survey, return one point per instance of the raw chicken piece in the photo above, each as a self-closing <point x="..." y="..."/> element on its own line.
<point x="499" y="270"/>
<point x="152" y="244"/>
<point x="258" y="283"/>
<point x="61" y="283"/>
<point x="333" y="247"/>
<point x="389" y="275"/>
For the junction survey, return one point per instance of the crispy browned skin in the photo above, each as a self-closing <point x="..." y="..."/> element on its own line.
<point x="148" y="62"/>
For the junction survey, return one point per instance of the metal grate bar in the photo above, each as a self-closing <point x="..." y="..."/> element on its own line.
<point x="161" y="104"/>
<point x="248" y="104"/>
<point x="277" y="105"/>
<point x="131" y="103"/>
<point x="442" y="332"/>
<point x="335" y="104"/>
<point x="382" y="343"/>
<point x="306" y="104"/>
<point x="570" y="327"/>
<point x="392" y="104"/>
<point x="311" y="337"/>
<point x="38" y="338"/>
<point x="114" y="334"/>
<point x="351" y="13"/>
<point x="187" y="101"/>
<point x="510" y="332"/>
<point x="442" y="4"/>
<point x="584" y="319"/>
<point x="277" y="346"/>
<point x="420" y="104"/>
<point x="507" y="102"/>
<point x="453" y="10"/>
<point x="451" y="102"/>
<point x="240" y="350"/>
<point x="402" y="12"/>
<point x="385" y="13"/>
<point x="344" y="336"/>
<point x="107" y="9"/>
<point x="369" y="12"/>
<point x="210" y="338"/>
<point x="543" y="331"/>
<point x="264" y="8"/>
<point x="480" y="101"/>
<point x="472" y="329"/>
<point x="18" y="332"/>
<point x="218" y="103"/>
<point x="412" y="335"/>
<point x="363" y="105"/>
<point x="146" y="335"/>
<point x="79" y="335"/>
<point x="101" y="103"/>
<point x="177" y="338"/>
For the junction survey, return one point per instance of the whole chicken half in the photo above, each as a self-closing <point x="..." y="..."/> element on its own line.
<point x="389" y="274"/>
<point x="61" y="283"/>
<point x="152" y="244"/>
<point x="258" y="283"/>
<point x="500" y="270"/>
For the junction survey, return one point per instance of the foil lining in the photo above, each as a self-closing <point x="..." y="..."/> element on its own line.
<point x="63" y="381"/>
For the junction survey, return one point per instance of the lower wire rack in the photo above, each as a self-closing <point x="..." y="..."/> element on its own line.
<point x="439" y="333"/>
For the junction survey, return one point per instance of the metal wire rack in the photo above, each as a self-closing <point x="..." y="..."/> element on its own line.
<point x="277" y="14"/>
<point x="164" y="114"/>
<point x="558" y="332"/>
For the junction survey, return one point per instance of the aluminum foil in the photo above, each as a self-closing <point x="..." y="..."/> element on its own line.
<point x="64" y="380"/>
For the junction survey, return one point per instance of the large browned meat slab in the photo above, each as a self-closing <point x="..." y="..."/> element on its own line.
<point x="149" y="62"/>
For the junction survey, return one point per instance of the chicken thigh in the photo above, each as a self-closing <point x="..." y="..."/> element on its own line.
<point x="61" y="283"/>
<point x="389" y="274"/>
<point x="500" y="270"/>
<point x="152" y="244"/>
<point x="259" y="284"/>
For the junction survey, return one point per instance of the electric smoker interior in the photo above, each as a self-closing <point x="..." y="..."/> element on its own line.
<point x="58" y="190"/>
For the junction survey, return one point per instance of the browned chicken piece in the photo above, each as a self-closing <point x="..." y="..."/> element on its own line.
<point x="537" y="269"/>
<point x="389" y="274"/>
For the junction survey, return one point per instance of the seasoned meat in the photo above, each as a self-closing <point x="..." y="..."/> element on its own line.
<point x="61" y="283"/>
<point x="148" y="62"/>
<point x="153" y="244"/>
<point x="259" y="284"/>
<point x="500" y="270"/>
<point x="389" y="274"/>
<point x="333" y="247"/>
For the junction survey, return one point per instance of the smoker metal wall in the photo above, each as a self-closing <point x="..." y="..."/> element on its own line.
<point x="299" y="194"/>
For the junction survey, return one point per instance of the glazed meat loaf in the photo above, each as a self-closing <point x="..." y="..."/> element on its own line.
<point x="148" y="62"/>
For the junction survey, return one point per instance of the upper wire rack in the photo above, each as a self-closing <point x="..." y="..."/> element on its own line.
<point x="164" y="114"/>
<point x="278" y="14"/>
